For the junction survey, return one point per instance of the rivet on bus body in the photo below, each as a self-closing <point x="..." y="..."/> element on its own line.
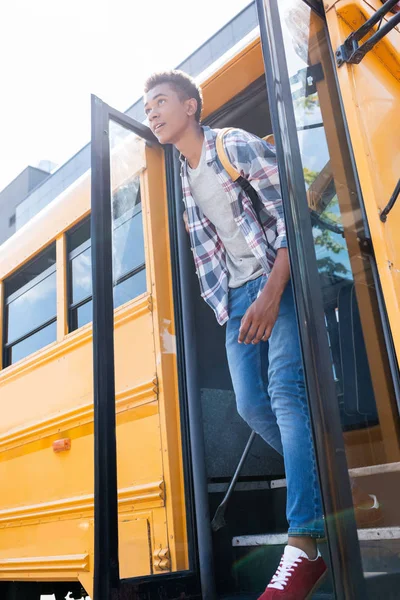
<point x="62" y="445"/>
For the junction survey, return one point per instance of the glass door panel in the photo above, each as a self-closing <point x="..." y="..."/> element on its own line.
<point x="139" y="530"/>
<point x="364" y="388"/>
<point x="129" y="268"/>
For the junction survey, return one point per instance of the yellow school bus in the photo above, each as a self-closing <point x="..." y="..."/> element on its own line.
<point x="119" y="435"/>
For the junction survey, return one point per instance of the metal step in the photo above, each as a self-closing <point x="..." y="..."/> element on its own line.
<point x="375" y="470"/>
<point x="379" y="533"/>
<point x="359" y="472"/>
<point x="241" y="486"/>
<point x="278" y="539"/>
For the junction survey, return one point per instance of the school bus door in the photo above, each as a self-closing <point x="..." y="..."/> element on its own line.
<point x="342" y="257"/>
<point x="140" y="508"/>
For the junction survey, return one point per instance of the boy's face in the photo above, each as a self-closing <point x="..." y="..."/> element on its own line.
<point x="167" y="113"/>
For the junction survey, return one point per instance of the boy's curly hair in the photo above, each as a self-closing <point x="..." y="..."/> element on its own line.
<point x="185" y="86"/>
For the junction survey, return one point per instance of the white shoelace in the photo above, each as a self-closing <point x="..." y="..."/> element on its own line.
<point x="284" y="572"/>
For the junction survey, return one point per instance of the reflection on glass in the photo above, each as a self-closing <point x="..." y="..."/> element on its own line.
<point x="128" y="245"/>
<point x="79" y="235"/>
<point x="32" y="308"/>
<point x="130" y="288"/>
<point x="84" y="314"/>
<point x="360" y="366"/>
<point x="38" y="340"/>
<point x="128" y="239"/>
<point x="81" y="270"/>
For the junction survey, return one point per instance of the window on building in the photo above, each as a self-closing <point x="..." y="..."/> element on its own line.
<point x="11" y="221"/>
<point x="30" y="307"/>
<point x="129" y="273"/>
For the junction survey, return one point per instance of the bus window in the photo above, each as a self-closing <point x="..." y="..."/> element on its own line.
<point x="30" y="307"/>
<point x="80" y="276"/>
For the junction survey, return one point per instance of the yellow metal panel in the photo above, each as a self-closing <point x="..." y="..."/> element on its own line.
<point x="56" y="551"/>
<point x="44" y="476"/>
<point x="138" y="396"/>
<point x="61" y="374"/>
<point x="371" y="96"/>
<point x="134" y="548"/>
<point x="157" y="233"/>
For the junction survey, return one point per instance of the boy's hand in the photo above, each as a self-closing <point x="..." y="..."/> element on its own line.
<point x="185" y="220"/>
<point x="259" y="320"/>
<point x="260" y="317"/>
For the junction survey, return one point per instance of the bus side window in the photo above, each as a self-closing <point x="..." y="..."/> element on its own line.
<point x="30" y="307"/>
<point x="129" y="272"/>
<point x="79" y="276"/>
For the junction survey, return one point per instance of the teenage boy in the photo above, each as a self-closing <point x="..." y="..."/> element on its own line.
<point x="243" y="270"/>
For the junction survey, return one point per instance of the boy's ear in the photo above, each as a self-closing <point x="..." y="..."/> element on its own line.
<point x="191" y="107"/>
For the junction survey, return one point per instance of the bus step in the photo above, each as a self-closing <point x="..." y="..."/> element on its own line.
<point x="379" y="533"/>
<point x="278" y="539"/>
<point x="375" y="470"/>
<point x="393" y="467"/>
<point x="263" y="539"/>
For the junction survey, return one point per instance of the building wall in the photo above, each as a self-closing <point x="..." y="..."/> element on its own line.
<point x="13" y="194"/>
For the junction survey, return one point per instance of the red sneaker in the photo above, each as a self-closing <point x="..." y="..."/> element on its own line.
<point x="297" y="577"/>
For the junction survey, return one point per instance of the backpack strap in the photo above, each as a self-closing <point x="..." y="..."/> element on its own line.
<point x="222" y="155"/>
<point x="237" y="177"/>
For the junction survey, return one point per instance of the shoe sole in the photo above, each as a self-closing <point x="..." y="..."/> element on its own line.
<point x="316" y="586"/>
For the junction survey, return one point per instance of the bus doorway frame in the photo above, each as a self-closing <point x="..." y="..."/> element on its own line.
<point x="344" y="550"/>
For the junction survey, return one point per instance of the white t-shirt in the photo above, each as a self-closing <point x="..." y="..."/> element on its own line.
<point x="210" y="197"/>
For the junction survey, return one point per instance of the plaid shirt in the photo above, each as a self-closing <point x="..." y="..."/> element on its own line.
<point x="255" y="160"/>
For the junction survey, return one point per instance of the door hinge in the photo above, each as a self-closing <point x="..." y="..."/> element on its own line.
<point x="162" y="561"/>
<point x="350" y="52"/>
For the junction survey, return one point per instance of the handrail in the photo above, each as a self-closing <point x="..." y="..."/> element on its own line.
<point x="391" y="203"/>
<point x="350" y="52"/>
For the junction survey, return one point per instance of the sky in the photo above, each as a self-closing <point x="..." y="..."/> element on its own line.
<point x="54" y="54"/>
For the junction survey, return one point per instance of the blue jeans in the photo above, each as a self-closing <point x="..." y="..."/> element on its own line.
<point x="270" y="393"/>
